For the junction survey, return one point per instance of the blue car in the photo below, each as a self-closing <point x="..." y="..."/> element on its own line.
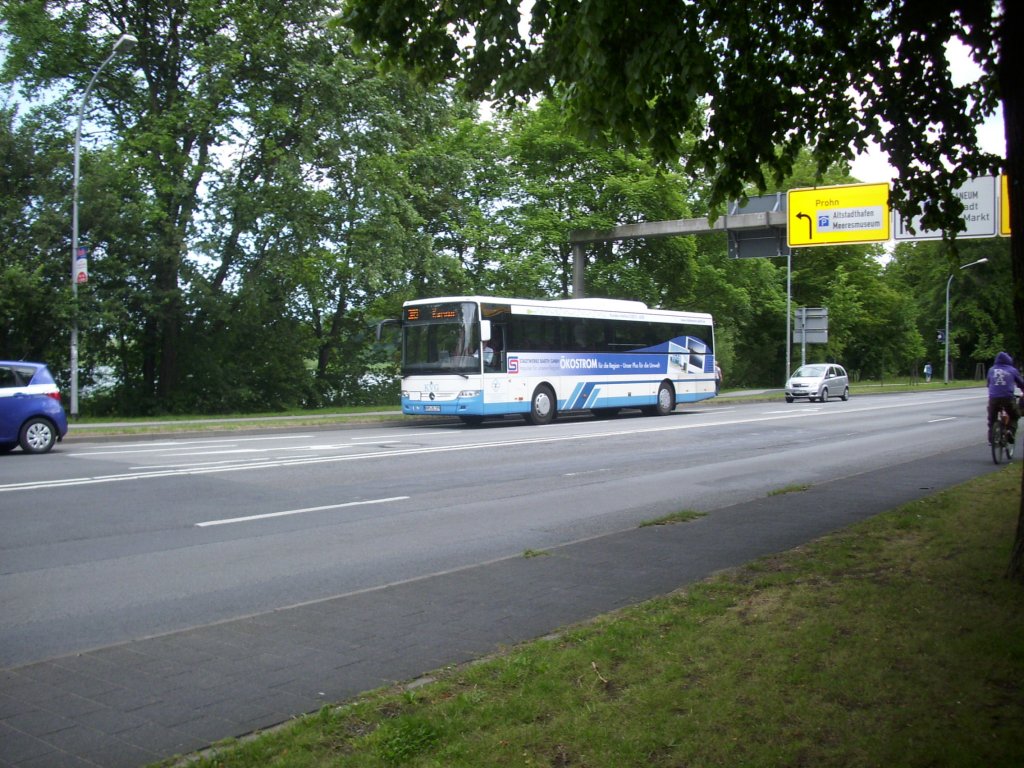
<point x="31" y="414"/>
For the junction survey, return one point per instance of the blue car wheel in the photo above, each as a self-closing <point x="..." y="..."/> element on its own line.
<point x="37" y="435"/>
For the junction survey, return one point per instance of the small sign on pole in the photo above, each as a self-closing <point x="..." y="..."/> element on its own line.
<point x="81" y="274"/>
<point x="810" y="326"/>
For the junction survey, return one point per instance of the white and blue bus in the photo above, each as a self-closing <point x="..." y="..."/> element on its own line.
<point x="475" y="357"/>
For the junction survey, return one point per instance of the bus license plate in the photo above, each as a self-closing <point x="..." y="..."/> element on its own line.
<point x="432" y="408"/>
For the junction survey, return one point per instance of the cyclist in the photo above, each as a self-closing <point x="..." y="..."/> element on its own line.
<point x="1003" y="380"/>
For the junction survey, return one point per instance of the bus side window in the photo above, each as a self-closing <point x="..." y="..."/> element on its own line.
<point x="579" y="337"/>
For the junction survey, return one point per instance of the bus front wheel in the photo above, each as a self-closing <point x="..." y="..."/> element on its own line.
<point x="542" y="406"/>
<point x="666" y="401"/>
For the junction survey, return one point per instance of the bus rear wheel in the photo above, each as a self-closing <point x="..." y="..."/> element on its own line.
<point x="666" y="401"/>
<point x="542" y="406"/>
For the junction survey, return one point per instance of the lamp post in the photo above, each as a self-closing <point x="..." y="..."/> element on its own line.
<point x="124" y="43"/>
<point x="945" y="366"/>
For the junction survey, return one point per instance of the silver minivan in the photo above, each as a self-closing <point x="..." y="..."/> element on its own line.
<point x="818" y="381"/>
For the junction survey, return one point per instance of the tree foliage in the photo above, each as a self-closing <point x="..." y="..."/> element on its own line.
<point x="34" y="266"/>
<point x="774" y="77"/>
<point x="250" y="187"/>
<point x="980" y="304"/>
<point x="252" y="230"/>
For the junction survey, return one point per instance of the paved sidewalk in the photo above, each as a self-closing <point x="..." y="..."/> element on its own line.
<point x="135" y="703"/>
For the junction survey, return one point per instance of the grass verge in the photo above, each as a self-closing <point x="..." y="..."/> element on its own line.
<point x="682" y="516"/>
<point x="894" y="642"/>
<point x="798" y="488"/>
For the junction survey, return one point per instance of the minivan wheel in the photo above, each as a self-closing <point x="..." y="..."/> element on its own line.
<point x="824" y="395"/>
<point x="846" y="394"/>
<point x="37" y="435"/>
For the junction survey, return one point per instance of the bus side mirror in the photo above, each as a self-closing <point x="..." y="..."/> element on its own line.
<point x="381" y="325"/>
<point x="485" y="330"/>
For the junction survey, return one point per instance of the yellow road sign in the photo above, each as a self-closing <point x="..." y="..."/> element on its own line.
<point x="846" y="214"/>
<point x="1004" y="205"/>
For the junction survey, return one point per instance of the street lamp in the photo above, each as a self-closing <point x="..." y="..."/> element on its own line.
<point x="945" y="367"/>
<point x="124" y="43"/>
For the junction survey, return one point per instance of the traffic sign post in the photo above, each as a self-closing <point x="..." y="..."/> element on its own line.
<point x="811" y="325"/>
<point x="841" y="215"/>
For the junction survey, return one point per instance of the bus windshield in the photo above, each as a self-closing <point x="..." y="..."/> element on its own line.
<point x="441" y="338"/>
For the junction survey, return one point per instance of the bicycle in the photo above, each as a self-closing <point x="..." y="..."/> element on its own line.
<point x="1000" y="437"/>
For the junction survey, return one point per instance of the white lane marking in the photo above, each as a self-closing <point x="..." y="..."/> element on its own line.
<point x="164" y="445"/>
<point x="203" y="453"/>
<point x="947" y="418"/>
<point x="218" y="452"/>
<point x="550" y="435"/>
<point x="286" y="513"/>
<point x="152" y="467"/>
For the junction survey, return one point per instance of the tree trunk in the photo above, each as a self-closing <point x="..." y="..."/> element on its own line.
<point x="1011" y="64"/>
<point x="169" y="318"/>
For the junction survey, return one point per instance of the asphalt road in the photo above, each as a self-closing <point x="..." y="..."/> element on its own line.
<point x="119" y="545"/>
<point x="108" y="541"/>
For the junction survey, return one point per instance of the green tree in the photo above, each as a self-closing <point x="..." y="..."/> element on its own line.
<point x="558" y="183"/>
<point x="980" y="303"/>
<point x="257" y="187"/>
<point x="641" y="73"/>
<point x="459" y="180"/>
<point x="173" y="100"/>
<point x="823" y="75"/>
<point x="34" y="264"/>
<point x="748" y="300"/>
